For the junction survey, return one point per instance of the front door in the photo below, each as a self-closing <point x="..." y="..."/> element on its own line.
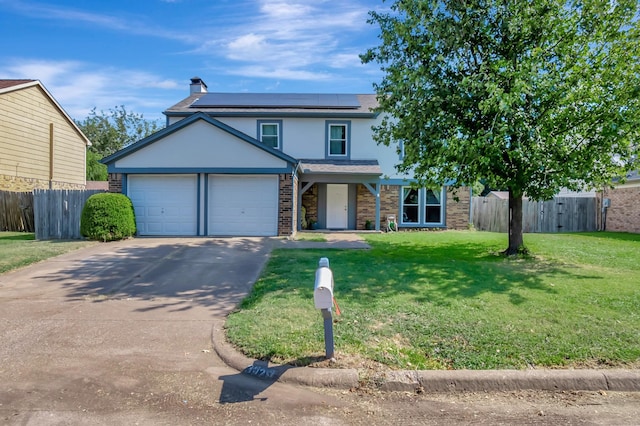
<point x="337" y="206"/>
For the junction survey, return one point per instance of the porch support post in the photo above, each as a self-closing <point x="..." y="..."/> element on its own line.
<point x="306" y="188"/>
<point x="378" y="206"/>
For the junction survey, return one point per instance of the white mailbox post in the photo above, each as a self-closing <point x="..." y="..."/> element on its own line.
<point x="323" y="300"/>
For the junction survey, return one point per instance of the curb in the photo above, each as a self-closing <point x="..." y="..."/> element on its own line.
<point x="512" y="380"/>
<point x="615" y="380"/>
<point x="317" y="377"/>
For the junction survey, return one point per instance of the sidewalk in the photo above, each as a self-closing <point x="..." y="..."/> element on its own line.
<point x="334" y="240"/>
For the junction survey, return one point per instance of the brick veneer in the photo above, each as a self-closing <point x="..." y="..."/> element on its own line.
<point x="458" y="211"/>
<point x="286" y="206"/>
<point x="389" y="203"/>
<point x="22" y="184"/>
<point x="624" y="213"/>
<point x="115" y="182"/>
<point x="365" y="207"/>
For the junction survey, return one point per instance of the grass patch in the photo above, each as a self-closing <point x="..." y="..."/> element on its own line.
<point x="18" y="249"/>
<point x="448" y="300"/>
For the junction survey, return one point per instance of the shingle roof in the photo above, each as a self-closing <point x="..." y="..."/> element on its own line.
<point x="10" y="83"/>
<point x="360" y="167"/>
<point x="242" y="107"/>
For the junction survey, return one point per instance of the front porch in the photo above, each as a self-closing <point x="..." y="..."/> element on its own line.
<point x="339" y="195"/>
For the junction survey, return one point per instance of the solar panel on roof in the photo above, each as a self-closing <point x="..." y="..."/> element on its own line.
<point x="277" y="100"/>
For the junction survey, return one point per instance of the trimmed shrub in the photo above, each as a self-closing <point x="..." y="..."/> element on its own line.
<point x="108" y="217"/>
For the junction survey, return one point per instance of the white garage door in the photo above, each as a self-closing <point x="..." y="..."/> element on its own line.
<point x="243" y="205"/>
<point x="164" y="204"/>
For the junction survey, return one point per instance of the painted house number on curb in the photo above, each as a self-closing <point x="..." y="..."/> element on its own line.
<point x="265" y="373"/>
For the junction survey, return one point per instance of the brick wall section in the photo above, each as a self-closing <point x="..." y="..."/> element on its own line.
<point x="115" y="182"/>
<point x="310" y="202"/>
<point x="22" y="184"/>
<point x="458" y="212"/>
<point x="624" y="213"/>
<point x="389" y="203"/>
<point x="365" y="207"/>
<point x="285" y="208"/>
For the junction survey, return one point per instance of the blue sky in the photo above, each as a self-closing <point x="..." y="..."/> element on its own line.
<point x="142" y="53"/>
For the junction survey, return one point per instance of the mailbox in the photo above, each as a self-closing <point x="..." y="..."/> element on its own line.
<point x="323" y="291"/>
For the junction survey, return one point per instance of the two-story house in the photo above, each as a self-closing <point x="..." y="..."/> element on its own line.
<point x="245" y="163"/>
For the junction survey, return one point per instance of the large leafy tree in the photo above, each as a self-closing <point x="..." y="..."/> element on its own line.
<point x="95" y="170"/>
<point x="111" y="131"/>
<point x="529" y="95"/>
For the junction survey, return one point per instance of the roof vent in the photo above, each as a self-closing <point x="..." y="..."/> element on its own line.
<point x="197" y="86"/>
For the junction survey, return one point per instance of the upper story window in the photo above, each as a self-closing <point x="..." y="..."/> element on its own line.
<point x="422" y="206"/>
<point x="270" y="133"/>
<point x="338" y="135"/>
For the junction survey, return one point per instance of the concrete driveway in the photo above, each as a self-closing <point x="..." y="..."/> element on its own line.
<point x="120" y="333"/>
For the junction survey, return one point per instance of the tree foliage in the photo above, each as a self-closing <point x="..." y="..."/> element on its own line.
<point x="95" y="170"/>
<point x="109" y="132"/>
<point x="532" y="96"/>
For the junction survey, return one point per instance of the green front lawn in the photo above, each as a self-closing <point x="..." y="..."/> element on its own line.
<point x="448" y="300"/>
<point x="19" y="249"/>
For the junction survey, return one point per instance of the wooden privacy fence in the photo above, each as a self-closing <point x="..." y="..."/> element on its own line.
<point x="16" y="211"/>
<point x="565" y="214"/>
<point x="57" y="213"/>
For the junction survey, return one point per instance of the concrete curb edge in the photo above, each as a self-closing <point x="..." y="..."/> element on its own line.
<point x="318" y="377"/>
<point x="432" y="380"/>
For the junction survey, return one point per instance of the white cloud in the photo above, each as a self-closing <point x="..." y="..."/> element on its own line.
<point x="78" y="87"/>
<point x="275" y="39"/>
<point x="112" y="22"/>
<point x="345" y="61"/>
<point x="278" y="73"/>
<point x="248" y="47"/>
<point x="292" y="39"/>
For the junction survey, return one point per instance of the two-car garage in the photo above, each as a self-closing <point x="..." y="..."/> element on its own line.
<point x="201" y="177"/>
<point x="201" y="204"/>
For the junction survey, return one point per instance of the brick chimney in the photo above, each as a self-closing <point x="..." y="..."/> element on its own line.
<point x="197" y="86"/>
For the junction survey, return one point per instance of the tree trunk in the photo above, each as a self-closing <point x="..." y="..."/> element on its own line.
<point x="516" y="243"/>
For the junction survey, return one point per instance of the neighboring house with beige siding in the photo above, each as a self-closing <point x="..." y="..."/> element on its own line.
<point x="40" y="145"/>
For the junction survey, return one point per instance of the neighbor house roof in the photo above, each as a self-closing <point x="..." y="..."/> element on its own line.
<point x="503" y="195"/>
<point x="277" y="104"/>
<point x="7" y="86"/>
<point x="11" y="83"/>
<point x="97" y="185"/>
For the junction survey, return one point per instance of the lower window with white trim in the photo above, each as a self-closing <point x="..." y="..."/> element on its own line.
<point x="422" y="206"/>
